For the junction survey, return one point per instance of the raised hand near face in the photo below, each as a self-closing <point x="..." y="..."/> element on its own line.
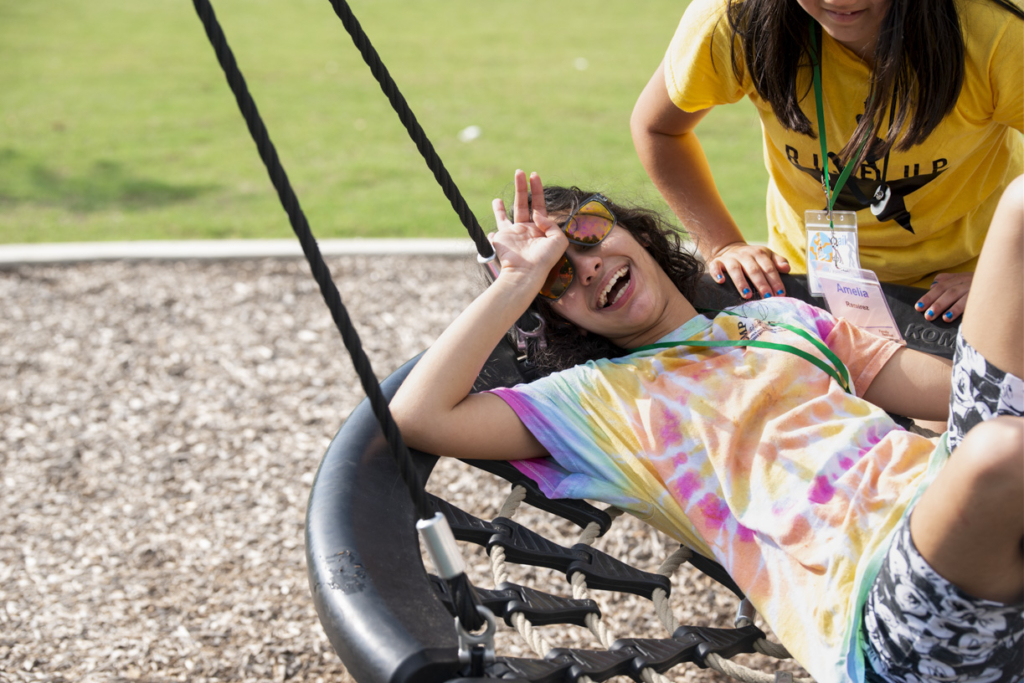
<point x="530" y="243"/>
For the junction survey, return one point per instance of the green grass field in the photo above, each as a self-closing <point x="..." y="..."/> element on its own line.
<point x="116" y="121"/>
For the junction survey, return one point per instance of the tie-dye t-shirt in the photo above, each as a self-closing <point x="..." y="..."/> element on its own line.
<point x="754" y="457"/>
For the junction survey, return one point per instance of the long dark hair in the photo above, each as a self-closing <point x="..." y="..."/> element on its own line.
<point x="564" y="346"/>
<point x="918" y="60"/>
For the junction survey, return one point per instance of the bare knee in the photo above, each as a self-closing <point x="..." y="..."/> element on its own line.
<point x="992" y="456"/>
<point x="969" y="524"/>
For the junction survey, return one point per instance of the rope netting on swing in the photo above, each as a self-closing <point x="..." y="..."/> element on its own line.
<point x="386" y="617"/>
<point x="583" y="582"/>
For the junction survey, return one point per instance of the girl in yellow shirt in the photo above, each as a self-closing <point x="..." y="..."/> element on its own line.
<point x="935" y="87"/>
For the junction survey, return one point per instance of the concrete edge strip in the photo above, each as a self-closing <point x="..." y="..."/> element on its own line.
<point x="74" y="252"/>
<point x="177" y="250"/>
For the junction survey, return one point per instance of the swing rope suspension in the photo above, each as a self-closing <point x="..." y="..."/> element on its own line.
<point x="461" y="597"/>
<point x="465" y="598"/>
<point x="322" y="275"/>
<point x="412" y="126"/>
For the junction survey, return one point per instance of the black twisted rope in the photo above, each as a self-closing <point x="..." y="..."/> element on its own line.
<point x="401" y="107"/>
<point x="290" y="202"/>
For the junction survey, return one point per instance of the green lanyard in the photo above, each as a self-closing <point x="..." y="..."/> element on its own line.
<point x="830" y="196"/>
<point x="837" y="370"/>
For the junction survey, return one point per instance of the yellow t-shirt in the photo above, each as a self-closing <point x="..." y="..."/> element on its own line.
<point x="926" y="210"/>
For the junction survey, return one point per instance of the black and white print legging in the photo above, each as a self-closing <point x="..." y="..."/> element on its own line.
<point x="919" y="627"/>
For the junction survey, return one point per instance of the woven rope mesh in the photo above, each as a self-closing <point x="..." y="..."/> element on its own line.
<point x="696" y="600"/>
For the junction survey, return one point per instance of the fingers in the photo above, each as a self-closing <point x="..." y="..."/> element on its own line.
<point x="753" y="270"/>
<point x="781" y="264"/>
<point x="520" y="238"/>
<point x="946" y="304"/>
<point x="548" y="225"/>
<point x="735" y="271"/>
<point x="946" y="308"/>
<point x="954" y="311"/>
<point x="520" y="206"/>
<point x="537" y="196"/>
<point x="500" y="215"/>
<point x="767" y="281"/>
<point x="721" y="269"/>
<point x="947" y="298"/>
<point x="528" y="192"/>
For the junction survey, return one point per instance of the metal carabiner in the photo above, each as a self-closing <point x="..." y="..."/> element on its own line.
<point x="477" y="649"/>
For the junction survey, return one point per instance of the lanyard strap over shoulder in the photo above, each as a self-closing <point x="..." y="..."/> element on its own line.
<point x="830" y="196"/>
<point x="836" y="370"/>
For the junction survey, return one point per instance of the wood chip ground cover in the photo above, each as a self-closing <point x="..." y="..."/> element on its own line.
<point x="160" y="427"/>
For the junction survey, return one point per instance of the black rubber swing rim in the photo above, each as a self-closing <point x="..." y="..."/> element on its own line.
<point x="367" y="580"/>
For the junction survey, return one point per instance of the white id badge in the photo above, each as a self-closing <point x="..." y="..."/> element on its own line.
<point x="857" y="296"/>
<point x="843" y="253"/>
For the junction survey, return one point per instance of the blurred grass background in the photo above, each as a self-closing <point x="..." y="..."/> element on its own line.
<point x="116" y="122"/>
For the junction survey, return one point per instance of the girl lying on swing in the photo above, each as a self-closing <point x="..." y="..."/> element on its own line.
<point x="759" y="437"/>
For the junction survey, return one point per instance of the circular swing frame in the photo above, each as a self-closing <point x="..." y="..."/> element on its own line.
<point x="367" y="579"/>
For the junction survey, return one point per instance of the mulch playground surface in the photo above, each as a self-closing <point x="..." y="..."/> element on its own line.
<point x="161" y="423"/>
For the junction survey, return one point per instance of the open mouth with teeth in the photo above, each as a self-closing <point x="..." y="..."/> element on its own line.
<point x="614" y="289"/>
<point x="844" y="16"/>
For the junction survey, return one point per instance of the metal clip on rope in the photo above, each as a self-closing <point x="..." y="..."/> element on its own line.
<point x="524" y="336"/>
<point x="476" y="650"/>
<point x="744" y="614"/>
<point x="490" y="264"/>
<point x="441" y="546"/>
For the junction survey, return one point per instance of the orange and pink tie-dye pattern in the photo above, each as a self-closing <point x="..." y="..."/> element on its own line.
<point x="753" y="457"/>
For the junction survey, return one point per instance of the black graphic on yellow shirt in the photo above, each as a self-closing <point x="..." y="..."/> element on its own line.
<point x="872" y="187"/>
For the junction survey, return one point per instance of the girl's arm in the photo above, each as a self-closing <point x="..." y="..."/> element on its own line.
<point x="434" y="408"/>
<point x="913" y="384"/>
<point x="664" y="137"/>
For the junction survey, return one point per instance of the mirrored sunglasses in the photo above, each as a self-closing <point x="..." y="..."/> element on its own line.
<point x="587" y="226"/>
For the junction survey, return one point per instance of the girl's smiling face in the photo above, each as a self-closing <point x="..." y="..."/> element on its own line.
<point x="620" y="292"/>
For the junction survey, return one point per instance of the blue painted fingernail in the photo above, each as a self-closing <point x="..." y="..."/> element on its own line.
<point x="768" y="295"/>
<point x="930" y="313"/>
<point x="746" y="291"/>
<point x="718" y="277"/>
<point x="919" y="305"/>
<point x="780" y="292"/>
<point x="948" y="315"/>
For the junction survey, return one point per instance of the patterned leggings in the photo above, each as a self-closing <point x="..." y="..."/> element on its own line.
<point x="920" y="627"/>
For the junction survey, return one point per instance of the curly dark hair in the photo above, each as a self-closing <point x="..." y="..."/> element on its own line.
<point x="564" y="346"/>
